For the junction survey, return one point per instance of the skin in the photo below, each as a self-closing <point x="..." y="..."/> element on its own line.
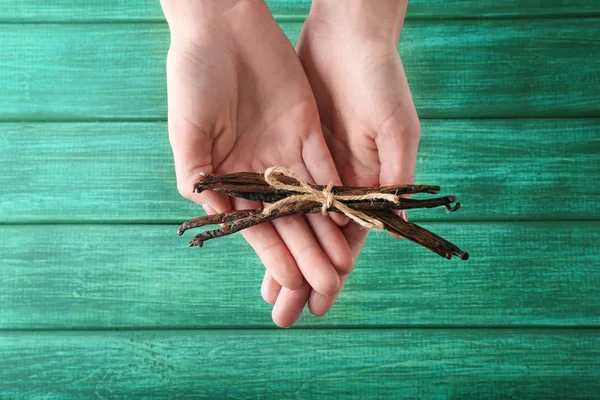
<point x="239" y="100"/>
<point x="349" y="51"/>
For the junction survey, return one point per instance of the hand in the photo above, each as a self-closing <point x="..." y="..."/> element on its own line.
<point x="349" y="50"/>
<point x="239" y="101"/>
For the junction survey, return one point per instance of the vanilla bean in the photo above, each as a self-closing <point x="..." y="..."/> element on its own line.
<point x="240" y="224"/>
<point x="313" y="207"/>
<point x="267" y="194"/>
<point x="392" y="222"/>
<point x="415" y="233"/>
<point x="253" y="186"/>
<point x="406" y="204"/>
<point x="215" y="219"/>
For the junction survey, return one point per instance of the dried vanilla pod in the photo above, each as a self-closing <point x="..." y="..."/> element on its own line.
<point x="290" y="195"/>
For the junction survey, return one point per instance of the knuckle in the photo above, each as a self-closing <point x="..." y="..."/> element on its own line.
<point x="291" y="222"/>
<point x="185" y="190"/>
<point x="346" y="264"/>
<point x="408" y="129"/>
<point x="270" y="248"/>
<point x="415" y="128"/>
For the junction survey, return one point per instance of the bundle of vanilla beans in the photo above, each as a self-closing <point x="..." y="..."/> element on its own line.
<point x="291" y="196"/>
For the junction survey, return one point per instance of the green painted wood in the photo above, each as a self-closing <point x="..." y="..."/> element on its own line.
<point x="472" y="69"/>
<point x="114" y="276"/>
<point x="123" y="172"/>
<point x="149" y="10"/>
<point x="491" y="364"/>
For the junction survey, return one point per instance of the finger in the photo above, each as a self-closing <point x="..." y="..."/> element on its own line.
<point x="306" y="250"/>
<point x="319" y="305"/>
<point x="320" y="166"/>
<point x="356" y="237"/>
<point x="310" y="254"/>
<point x="208" y="209"/>
<point x="289" y="305"/>
<point x="397" y="144"/>
<point x="192" y="156"/>
<point x="402" y="214"/>
<point x="271" y="249"/>
<point x="332" y="241"/>
<point x="270" y="288"/>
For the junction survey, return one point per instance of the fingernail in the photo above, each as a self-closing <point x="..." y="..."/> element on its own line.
<point x="403" y="215"/>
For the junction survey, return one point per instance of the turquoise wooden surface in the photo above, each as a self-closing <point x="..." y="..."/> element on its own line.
<point x="300" y="364"/>
<point x="127" y="276"/>
<point x="534" y="169"/>
<point x="100" y="298"/>
<point x="488" y="69"/>
<point x="66" y="11"/>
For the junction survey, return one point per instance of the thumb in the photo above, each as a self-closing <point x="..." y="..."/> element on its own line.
<point x="397" y="144"/>
<point x="320" y="164"/>
<point x="192" y="153"/>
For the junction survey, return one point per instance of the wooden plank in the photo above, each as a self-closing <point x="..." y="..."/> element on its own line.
<point x="115" y="276"/>
<point x="471" y="69"/>
<point x="491" y="364"/>
<point x="149" y="10"/>
<point x="123" y="172"/>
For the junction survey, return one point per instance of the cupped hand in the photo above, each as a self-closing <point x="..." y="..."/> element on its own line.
<point x="349" y="51"/>
<point x="239" y="101"/>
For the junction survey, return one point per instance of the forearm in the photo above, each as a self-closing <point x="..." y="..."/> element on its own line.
<point x="376" y="18"/>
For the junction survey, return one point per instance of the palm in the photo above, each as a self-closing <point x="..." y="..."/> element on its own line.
<point x="254" y="121"/>
<point x="363" y="98"/>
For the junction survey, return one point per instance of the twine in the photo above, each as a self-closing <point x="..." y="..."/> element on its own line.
<point x="325" y="197"/>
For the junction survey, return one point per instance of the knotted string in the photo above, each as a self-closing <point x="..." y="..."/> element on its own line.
<point x="325" y="197"/>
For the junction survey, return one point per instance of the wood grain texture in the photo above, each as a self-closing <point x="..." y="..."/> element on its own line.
<point x="472" y="69"/>
<point x="149" y="10"/>
<point x="68" y="287"/>
<point x="491" y="364"/>
<point x="500" y="170"/>
<point x="103" y="276"/>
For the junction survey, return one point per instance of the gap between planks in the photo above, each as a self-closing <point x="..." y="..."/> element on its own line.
<point x="294" y="18"/>
<point x="176" y="223"/>
<point x="474" y="328"/>
<point x="141" y="120"/>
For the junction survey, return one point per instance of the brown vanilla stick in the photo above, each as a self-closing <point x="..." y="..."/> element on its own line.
<point x="406" y="204"/>
<point x="266" y="194"/>
<point x="392" y="222"/>
<point x="240" y="224"/>
<point x="252" y="186"/>
<point x="216" y="219"/>
<point x="415" y="233"/>
<point x="258" y="179"/>
<point x="313" y="207"/>
<point x="252" y="179"/>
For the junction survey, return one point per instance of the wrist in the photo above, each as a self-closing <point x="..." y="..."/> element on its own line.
<point x="191" y="16"/>
<point x="381" y="19"/>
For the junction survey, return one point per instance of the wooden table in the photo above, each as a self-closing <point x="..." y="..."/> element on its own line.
<point x="100" y="298"/>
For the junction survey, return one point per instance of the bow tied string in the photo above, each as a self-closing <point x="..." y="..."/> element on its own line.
<point x="325" y="197"/>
